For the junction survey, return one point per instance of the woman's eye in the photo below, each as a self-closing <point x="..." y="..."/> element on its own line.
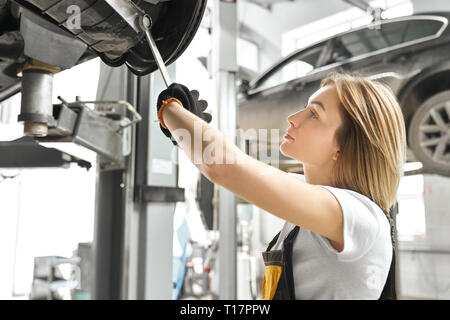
<point x="313" y="114"/>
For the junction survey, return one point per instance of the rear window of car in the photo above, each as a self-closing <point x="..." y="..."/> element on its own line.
<point x="297" y="67"/>
<point x="368" y="40"/>
<point x="384" y="36"/>
<point x="422" y="28"/>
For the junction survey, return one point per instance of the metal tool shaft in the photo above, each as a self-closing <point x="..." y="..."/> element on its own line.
<point x="156" y="54"/>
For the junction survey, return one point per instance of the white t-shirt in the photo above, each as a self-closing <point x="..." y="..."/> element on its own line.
<point x="360" y="270"/>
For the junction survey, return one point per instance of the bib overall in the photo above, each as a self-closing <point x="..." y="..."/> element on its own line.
<point x="278" y="282"/>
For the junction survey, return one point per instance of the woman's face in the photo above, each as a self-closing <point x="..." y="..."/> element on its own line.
<point x="313" y="129"/>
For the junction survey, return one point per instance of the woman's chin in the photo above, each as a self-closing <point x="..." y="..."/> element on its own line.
<point x="283" y="150"/>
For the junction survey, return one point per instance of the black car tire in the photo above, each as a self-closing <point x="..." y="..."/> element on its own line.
<point x="429" y="134"/>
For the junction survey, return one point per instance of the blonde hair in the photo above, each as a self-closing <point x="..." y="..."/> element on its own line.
<point x="372" y="138"/>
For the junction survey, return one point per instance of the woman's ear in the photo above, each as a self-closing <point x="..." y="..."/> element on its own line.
<point x="336" y="155"/>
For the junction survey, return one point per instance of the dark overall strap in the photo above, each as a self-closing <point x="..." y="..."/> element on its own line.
<point x="285" y="288"/>
<point x="389" y="291"/>
<point x="288" y="244"/>
<point x="272" y="243"/>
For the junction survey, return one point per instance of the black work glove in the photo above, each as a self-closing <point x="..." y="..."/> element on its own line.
<point x="190" y="101"/>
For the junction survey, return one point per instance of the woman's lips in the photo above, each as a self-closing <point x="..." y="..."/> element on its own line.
<point x="287" y="136"/>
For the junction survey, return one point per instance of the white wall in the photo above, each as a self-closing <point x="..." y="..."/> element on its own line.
<point x="283" y="17"/>
<point x="430" y="5"/>
<point x="44" y="212"/>
<point x="424" y="264"/>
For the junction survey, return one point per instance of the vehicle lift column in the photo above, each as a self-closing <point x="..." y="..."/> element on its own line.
<point x="156" y="193"/>
<point x="133" y="236"/>
<point x="224" y="34"/>
<point x="112" y="210"/>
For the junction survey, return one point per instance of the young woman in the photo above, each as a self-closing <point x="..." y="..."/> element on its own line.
<point x="336" y="242"/>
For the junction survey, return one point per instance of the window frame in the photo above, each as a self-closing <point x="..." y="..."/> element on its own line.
<point x="407" y="24"/>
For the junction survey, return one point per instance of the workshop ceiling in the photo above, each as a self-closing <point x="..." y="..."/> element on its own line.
<point x="268" y="3"/>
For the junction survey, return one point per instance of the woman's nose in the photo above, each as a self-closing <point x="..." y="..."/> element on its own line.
<point x="294" y="119"/>
<point x="292" y="123"/>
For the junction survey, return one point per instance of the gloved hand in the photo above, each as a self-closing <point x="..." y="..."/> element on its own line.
<point x="190" y="101"/>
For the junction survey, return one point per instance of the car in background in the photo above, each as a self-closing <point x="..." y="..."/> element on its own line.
<point x="411" y="54"/>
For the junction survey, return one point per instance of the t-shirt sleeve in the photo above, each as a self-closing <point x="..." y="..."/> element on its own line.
<point x="360" y="224"/>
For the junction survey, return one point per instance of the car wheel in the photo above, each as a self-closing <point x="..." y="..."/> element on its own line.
<point x="429" y="134"/>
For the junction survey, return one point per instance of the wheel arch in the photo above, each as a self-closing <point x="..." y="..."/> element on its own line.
<point x="421" y="87"/>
